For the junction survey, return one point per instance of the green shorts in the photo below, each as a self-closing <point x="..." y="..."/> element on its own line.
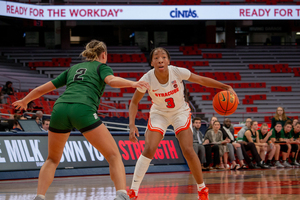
<point x="66" y="116"/>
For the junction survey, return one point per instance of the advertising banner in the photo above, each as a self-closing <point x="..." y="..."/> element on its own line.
<point x="159" y="12"/>
<point x="30" y="152"/>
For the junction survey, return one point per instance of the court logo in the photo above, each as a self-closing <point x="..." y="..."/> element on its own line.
<point x="183" y="13"/>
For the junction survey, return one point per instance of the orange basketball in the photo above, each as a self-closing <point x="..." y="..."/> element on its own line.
<point x="225" y="103"/>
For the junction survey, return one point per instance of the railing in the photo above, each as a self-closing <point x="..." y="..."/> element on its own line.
<point x="271" y="114"/>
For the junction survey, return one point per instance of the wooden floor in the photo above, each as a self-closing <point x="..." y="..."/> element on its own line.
<point x="271" y="184"/>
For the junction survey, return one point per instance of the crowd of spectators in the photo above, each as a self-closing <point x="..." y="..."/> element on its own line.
<point x="254" y="147"/>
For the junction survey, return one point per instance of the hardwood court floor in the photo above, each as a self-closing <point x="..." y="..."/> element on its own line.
<point x="272" y="184"/>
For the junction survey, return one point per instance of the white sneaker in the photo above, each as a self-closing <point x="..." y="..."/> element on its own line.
<point x="286" y="164"/>
<point x="296" y="163"/>
<point x="122" y="196"/>
<point x="278" y="164"/>
<point x="38" y="198"/>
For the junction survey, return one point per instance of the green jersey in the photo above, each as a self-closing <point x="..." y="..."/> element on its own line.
<point x="85" y="83"/>
<point x="276" y="134"/>
<point x="295" y="135"/>
<point x="285" y="135"/>
<point x="261" y="136"/>
<point x="253" y="136"/>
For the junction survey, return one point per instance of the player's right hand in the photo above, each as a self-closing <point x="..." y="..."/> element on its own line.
<point x="20" y="105"/>
<point x="141" y="85"/>
<point x="133" y="133"/>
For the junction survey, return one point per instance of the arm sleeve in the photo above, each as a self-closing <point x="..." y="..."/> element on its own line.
<point x="144" y="78"/>
<point x="206" y="136"/>
<point x="241" y="132"/>
<point x="105" y="71"/>
<point x="61" y="80"/>
<point x="183" y="73"/>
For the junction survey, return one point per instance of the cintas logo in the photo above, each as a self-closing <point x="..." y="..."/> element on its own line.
<point x="183" y="13"/>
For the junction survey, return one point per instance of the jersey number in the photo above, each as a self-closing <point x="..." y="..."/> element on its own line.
<point x="170" y="102"/>
<point x="79" y="72"/>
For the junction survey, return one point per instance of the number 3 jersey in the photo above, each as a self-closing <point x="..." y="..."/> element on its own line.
<point x="85" y="83"/>
<point x="169" y="96"/>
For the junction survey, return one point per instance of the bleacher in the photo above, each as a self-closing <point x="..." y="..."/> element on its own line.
<point x="263" y="77"/>
<point x="269" y="75"/>
<point x="31" y="67"/>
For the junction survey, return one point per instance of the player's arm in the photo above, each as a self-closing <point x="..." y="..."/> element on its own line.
<point x="209" y="82"/>
<point x="259" y="143"/>
<point x="248" y="136"/>
<point x="118" y="82"/>
<point x="133" y="108"/>
<point x="34" y="94"/>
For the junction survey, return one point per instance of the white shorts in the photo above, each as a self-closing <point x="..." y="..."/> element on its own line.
<point x="159" y="121"/>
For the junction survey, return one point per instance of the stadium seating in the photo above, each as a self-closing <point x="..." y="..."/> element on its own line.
<point x="256" y="75"/>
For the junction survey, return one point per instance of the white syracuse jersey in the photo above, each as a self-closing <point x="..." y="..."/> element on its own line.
<point x="169" y="96"/>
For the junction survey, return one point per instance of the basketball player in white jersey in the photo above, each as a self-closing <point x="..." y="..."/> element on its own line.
<point x="168" y="107"/>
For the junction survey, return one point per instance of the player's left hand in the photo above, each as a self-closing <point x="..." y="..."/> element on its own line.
<point x="133" y="133"/>
<point x="20" y="105"/>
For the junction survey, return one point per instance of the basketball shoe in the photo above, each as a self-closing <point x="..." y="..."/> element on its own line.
<point x="131" y="194"/>
<point x="122" y="196"/>
<point x="203" y="194"/>
<point x="38" y="198"/>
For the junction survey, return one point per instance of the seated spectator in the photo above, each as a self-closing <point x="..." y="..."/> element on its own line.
<point x="276" y="132"/>
<point x="228" y="132"/>
<point x="204" y="152"/>
<point x="295" y="121"/>
<point x="36" y="118"/>
<point x="279" y="117"/>
<point x="290" y="146"/>
<point x="31" y="107"/>
<point x="296" y="135"/>
<point x="265" y="136"/>
<point x="8" y="89"/>
<point x="252" y="135"/>
<point x="215" y="136"/>
<point x="40" y="114"/>
<point x="45" y="126"/>
<point x="241" y="132"/>
<point x="17" y="126"/>
<point x="212" y="120"/>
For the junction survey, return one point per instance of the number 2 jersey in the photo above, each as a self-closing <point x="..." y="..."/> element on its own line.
<point x="169" y="96"/>
<point x="85" y="83"/>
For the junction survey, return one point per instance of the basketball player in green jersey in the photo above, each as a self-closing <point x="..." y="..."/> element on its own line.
<point x="77" y="107"/>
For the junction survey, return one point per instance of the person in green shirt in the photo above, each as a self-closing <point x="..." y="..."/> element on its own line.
<point x="279" y="117"/>
<point x="252" y="135"/>
<point x="77" y="107"/>
<point x="265" y="136"/>
<point x="295" y="121"/>
<point x="276" y="134"/>
<point x="291" y="145"/>
<point x="295" y="133"/>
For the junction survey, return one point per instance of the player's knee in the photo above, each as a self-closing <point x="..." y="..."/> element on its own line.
<point x="149" y="151"/>
<point x="188" y="152"/>
<point x="54" y="160"/>
<point x="112" y="157"/>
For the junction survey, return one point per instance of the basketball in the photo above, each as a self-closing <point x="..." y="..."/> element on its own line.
<point x="225" y="103"/>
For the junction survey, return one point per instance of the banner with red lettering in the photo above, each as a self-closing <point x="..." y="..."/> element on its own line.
<point x="159" y="12"/>
<point x="30" y="152"/>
